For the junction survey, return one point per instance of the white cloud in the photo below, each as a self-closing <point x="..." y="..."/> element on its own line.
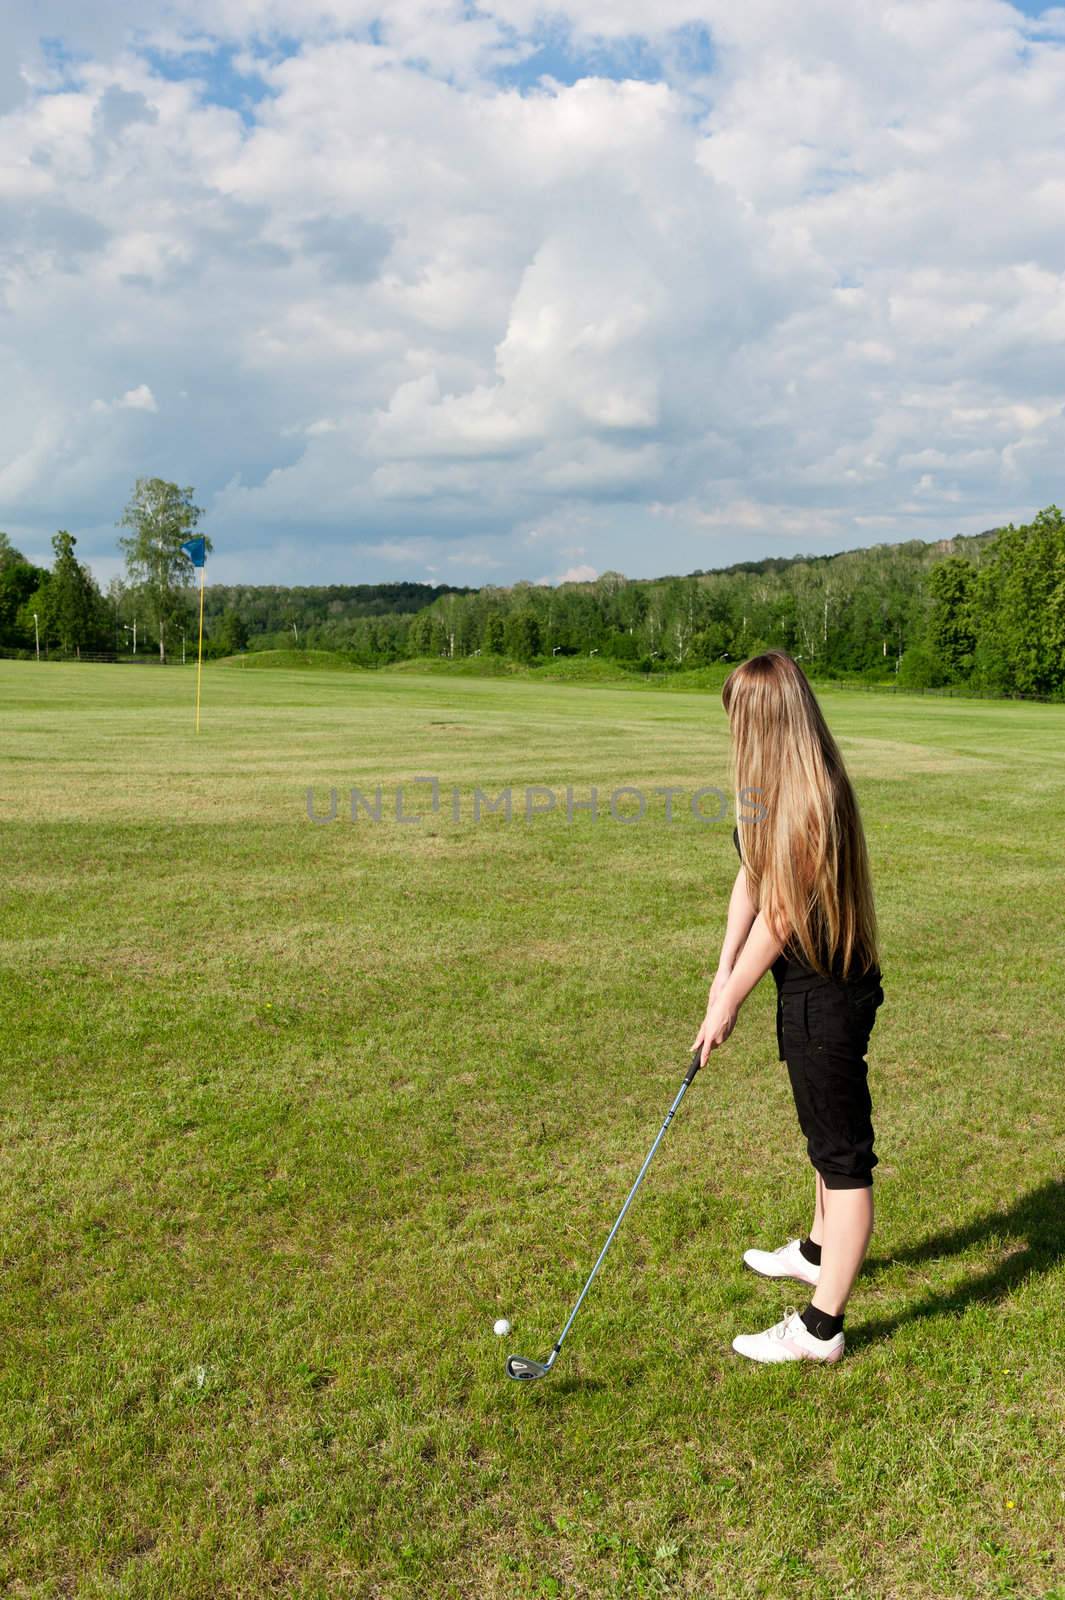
<point x="403" y="316"/>
<point x="139" y="399"/>
<point x="403" y="551"/>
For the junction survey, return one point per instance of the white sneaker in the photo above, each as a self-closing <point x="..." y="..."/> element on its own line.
<point x="788" y="1340"/>
<point x="787" y="1262"/>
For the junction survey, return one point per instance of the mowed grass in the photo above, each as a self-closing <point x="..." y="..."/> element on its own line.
<point x="293" y="1112"/>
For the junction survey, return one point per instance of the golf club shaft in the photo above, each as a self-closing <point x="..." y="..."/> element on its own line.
<point x="692" y="1070"/>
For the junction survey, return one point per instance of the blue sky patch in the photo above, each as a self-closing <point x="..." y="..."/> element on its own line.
<point x="224" y="84"/>
<point x="560" y="56"/>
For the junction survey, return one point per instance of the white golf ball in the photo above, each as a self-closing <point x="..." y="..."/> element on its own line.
<point x="502" y="1327"/>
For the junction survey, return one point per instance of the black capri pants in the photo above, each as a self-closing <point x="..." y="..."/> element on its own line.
<point x="823" y="1033"/>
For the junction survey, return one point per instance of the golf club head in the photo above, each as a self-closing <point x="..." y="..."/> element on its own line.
<point x="519" y="1367"/>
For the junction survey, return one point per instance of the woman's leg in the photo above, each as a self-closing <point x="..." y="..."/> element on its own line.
<point x="817" y="1231"/>
<point x="848" y="1225"/>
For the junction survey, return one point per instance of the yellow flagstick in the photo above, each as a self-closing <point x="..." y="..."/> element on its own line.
<point x="199" y="656"/>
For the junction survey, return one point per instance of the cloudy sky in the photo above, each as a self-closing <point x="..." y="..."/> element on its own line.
<point x="464" y="293"/>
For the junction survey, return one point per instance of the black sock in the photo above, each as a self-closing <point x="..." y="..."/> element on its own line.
<point x="810" y="1252"/>
<point x="820" y="1324"/>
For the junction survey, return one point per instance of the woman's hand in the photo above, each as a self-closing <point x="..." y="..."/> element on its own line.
<point x="720" y="1019"/>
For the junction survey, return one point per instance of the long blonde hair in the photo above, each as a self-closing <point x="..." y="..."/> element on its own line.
<point x="806" y="858"/>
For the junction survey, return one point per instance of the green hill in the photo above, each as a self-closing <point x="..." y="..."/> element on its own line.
<point x="320" y="660"/>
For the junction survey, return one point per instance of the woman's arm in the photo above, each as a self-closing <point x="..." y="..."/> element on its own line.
<point x="741" y="915"/>
<point x="760" y="950"/>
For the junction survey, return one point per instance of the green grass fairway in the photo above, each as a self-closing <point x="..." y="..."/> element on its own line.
<point x="292" y="1113"/>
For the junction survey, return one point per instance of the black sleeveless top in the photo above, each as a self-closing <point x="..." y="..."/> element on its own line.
<point x="792" y="972"/>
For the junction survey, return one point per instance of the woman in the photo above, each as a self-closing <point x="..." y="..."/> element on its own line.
<point x="802" y="905"/>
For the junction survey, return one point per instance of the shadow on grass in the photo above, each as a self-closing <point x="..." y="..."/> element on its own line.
<point x="577" y="1386"/>
<point x="1037" y="1219"/>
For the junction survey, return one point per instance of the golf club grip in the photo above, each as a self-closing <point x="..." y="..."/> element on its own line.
<point x="693" y="1069"/>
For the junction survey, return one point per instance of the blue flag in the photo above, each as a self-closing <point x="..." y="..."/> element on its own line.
<point x="196" y="550"/>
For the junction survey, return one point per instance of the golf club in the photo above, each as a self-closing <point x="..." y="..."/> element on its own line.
<point x="519" y="1366"/>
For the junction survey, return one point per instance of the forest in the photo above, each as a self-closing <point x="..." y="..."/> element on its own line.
<point x="986" y="611"/>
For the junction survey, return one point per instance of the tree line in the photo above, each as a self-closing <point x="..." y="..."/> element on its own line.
<point x="63" y="609"/>
<point x="152" y="607"/>
<point x="986" y="611"/>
